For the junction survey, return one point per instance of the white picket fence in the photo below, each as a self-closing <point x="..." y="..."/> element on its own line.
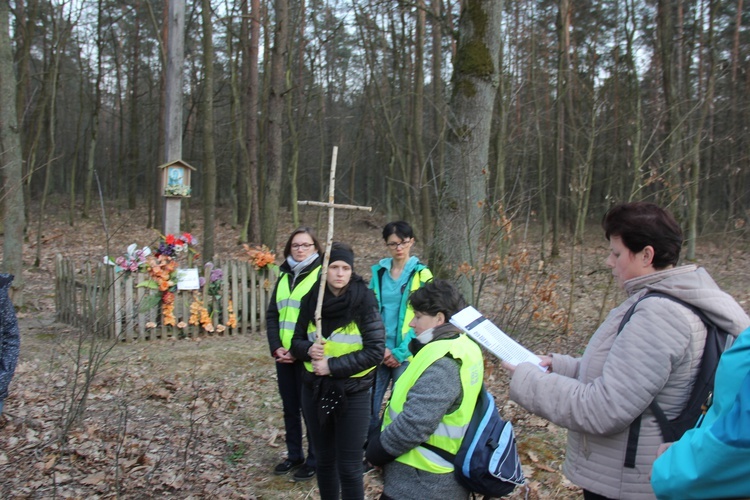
<point x="95" y="297"/>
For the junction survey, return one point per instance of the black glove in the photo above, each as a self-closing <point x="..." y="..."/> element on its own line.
<point x="376" y="454"/>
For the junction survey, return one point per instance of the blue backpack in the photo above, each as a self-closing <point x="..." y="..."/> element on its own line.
<point x="487" y="462"/>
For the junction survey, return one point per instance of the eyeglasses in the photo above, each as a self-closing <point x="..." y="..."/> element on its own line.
<point x="303" y="246"/>
<point x="402" y="244"/>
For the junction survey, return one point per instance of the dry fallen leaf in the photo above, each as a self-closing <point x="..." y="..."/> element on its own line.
<point x="272" y="440"/>
<point x="528" y="470"/>
<point x="545" y="468"/>
<point x="161" y="393"/>
<point x="94" y="479"/>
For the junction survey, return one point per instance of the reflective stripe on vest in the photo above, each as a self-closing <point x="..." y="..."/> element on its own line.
<point x="453" y="426"/>
<point x="341" y="341"/>
<point x="288" y="303"/>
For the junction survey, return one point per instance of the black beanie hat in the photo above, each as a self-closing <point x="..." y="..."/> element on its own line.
<point x="342" y="251"/>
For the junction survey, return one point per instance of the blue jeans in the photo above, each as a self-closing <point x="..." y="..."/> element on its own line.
<point x="338" y="445"/>
<point x="383" y="376"/>
<point x="289" y="377"/>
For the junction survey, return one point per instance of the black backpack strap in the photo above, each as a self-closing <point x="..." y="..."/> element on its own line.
<point x="381" y="273"/>
<point x="635" y="428"/>
<point x="632" y="447"/>
<point x="444" y="454"/>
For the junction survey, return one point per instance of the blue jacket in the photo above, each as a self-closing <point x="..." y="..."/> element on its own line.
<point x="713" y="460"/>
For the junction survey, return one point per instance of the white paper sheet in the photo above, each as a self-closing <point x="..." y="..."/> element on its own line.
<point x="188" y="279"/>
<point x="489" y="336"/>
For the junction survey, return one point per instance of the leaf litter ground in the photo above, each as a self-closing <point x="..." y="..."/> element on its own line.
<point x="201" y="417"/>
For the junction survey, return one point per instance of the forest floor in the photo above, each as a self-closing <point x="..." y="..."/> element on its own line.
<point x="201" y="417"/>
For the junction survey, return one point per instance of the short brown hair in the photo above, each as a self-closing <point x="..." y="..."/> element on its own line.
<point x="437" y="296"/>
<point x="640" y="224"/>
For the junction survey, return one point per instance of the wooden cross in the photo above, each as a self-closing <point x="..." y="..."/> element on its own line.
<point x="329" y="240"/>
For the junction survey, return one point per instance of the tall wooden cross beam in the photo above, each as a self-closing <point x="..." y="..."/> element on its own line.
<point x="329" y="240"/>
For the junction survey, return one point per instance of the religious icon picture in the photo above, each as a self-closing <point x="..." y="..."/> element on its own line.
<point x="176" y="176"/>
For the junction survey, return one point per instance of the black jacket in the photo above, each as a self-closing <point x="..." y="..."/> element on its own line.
<point x="10" y="340"/>
<point x="363" y="309"/>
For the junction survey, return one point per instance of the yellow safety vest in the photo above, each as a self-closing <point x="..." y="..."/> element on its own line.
<point x="453" y="426"/>
<point x="418" y="281"/>
<point x="342" y="341"/>
<point x="288" y="303"/>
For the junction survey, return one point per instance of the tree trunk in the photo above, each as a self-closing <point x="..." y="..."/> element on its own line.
<point x="237" y="190"/>
<point x="736" y="114"/>
<point x="14" y="219"/>
<point x="26" y="24"/>
<point x="672" y="125"/>
<point x="56" y="50"/>
<point x="695" y="157"/>
<point x="135" y="132"/>
<point x="209" y="157"/>
<point x="274" y="160"/>
<point x="635" y="88"/>
<point x="563" y="76"/>
<point x="251" y="223"/>
<point x="95" y="107"/>
<point x="437" y="97"/>
<point x="463" y="195"/>
<point x="420" y="160"/>
<point x="173" y="105"/>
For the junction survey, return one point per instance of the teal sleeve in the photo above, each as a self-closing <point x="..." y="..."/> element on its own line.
<point x="401" y="352"/>
<point x="711" y="461"/>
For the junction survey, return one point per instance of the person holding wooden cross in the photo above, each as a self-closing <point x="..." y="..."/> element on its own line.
<point x="340" y="363"/>
<point x="300" y="273"/>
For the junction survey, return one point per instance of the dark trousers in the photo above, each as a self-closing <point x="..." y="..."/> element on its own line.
<point x="290" y="388"/>
<point x="338" y="445"/>
<point x="383" y="377"/>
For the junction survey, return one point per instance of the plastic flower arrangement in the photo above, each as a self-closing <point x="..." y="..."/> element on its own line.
<point x="201" y="314"/>
<point x="173" y="246"/>
<point x="232" y="320"/>
<point x="132" y="261"/>
<point x="261" y="256"/>
<point x="177" y="190"/>
<point x="162" y="270"/>
<point x="214" y="280"/>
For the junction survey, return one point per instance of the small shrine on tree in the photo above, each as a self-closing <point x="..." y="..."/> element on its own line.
<point x="176" y="184"/>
